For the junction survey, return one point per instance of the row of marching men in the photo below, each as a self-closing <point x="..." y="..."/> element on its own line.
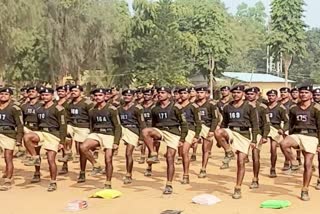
<point x="241" y="122"/>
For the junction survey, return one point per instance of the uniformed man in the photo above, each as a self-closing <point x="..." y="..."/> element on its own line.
<point x="252" y="95"/>
<point x="285" y="97"/>
<point x="132" y="122"/>
<point x="304" y="134"/>
<point x="209" y="117"/>
<point x="193" y="98"/>
<point x="176" y="98"/>
<point x="170" y="126"/>
<point x="23" y="95"/>
<point x="115" y="97"/>
<point x="287" y="102"/>
<point x="51" y="135"/>
<point x="105" y="132"/>
<point x="193" y="94"/>
<point x="108" y="94"/>
<point x="11" y="132"/>
<point x="316" y="95"/>
<point x="139" y="96"/>
<point x="78" y="118"/>
<point x="225" y="97"/>
<point x="279" y="126"/>
<point x="176" y="95"/>
<point x="260" y="98"/>
<point x="62" y="92"/>
<point x="191" y="112"/>
<point x="239" y="116"/>
<point x="29" y="112"/>
<point x="147" y="105"/>
<point x="29" y="115"/>
<point x="294" y="94"/>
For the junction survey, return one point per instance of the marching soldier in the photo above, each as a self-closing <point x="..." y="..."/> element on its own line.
<point x="278" y="115"/>
<point x="225" y="98"/>
<point x="238" y="117"/>
<point x="316" y="95"/>
<point x="209" y="117"/>
<point x="23" y="95"/>
<point x="11" y="133"/>
<point x="193" y="98"/>
<point x="147" y="105"/>
<point x="294" y="95"/>
<point x="193" y="94"/>
<point x="132" y="122"/>
<point x="30" y="117"/>
<point x="252" y="95"/>
<point x="115" y="97"/>
<point x="168" y="124"/>
<point x="139" y="96"/>
<point x="78" y="119"/>
<point x="50" y="136"/>
<point x="287" y="102"/>
<point x="285" y="97"/>
<point x="304" y="134"/>
<point x="191" y="112"/>
<point x="29" y="114"/>
<point x="62" y="92"/>
<point x="105" y="132"/>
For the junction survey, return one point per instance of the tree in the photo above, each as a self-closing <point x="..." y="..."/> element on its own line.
<point x="158" y="45"/>
<point x="287" y="37"/>
<point x="206" y="21"/>
<point x="248" y="28"/>
<point x="307" y="69"/>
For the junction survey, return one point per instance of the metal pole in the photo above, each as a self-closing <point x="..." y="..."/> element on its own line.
<point x="211" y="67"/>
<point x="268" y="70"/>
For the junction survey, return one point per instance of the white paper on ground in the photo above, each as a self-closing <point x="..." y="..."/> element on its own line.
<point x="205" y="199"/>
<point x="76" y="205"/>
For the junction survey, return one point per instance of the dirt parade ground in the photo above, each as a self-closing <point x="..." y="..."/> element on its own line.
<point x="144" y="195"/>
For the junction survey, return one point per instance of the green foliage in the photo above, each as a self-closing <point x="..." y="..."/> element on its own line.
<point x="287" y="29"/>
<point x="249" y="38"/>
<point x="161" y="42"/>
<point x="308" y="67"/>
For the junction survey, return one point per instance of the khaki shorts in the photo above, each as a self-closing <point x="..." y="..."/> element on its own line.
<point x="7" y="142"/>
<point x="238" y="141"/>
<point x="204" y="133"/>
<point x="78" y="134"/>
<point x="190" y="136"/>
<point x="129" y="137"/>
<point x="27" y="130"/>
<point x="48" y="141"/>
<point x="273" y="134"/>
<point x="170" y="139"/>
<point x="307" y="143"/>
<point x="105" y="141"/>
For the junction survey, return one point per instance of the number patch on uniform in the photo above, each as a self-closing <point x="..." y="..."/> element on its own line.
<point x="31" y="111"/>
<point x="41" y="116"/>
<point x="2" y="116"/>
<point x="146" y="115"/>
<point x="202" y="112"/>
<point x="234" y="115"/>
<point x="163" y="115"/>
<point x="101" y="119"/>
<point x="302" y="117"/>
<point x="74" y="111"/>
<point x="270" y="115"/>
<point x="123" y="116"/>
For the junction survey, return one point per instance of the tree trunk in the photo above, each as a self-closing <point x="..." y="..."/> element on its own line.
<point x="287" y="60"/>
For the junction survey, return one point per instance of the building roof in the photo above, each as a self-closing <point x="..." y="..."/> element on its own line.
<point x="254" y="77"/>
